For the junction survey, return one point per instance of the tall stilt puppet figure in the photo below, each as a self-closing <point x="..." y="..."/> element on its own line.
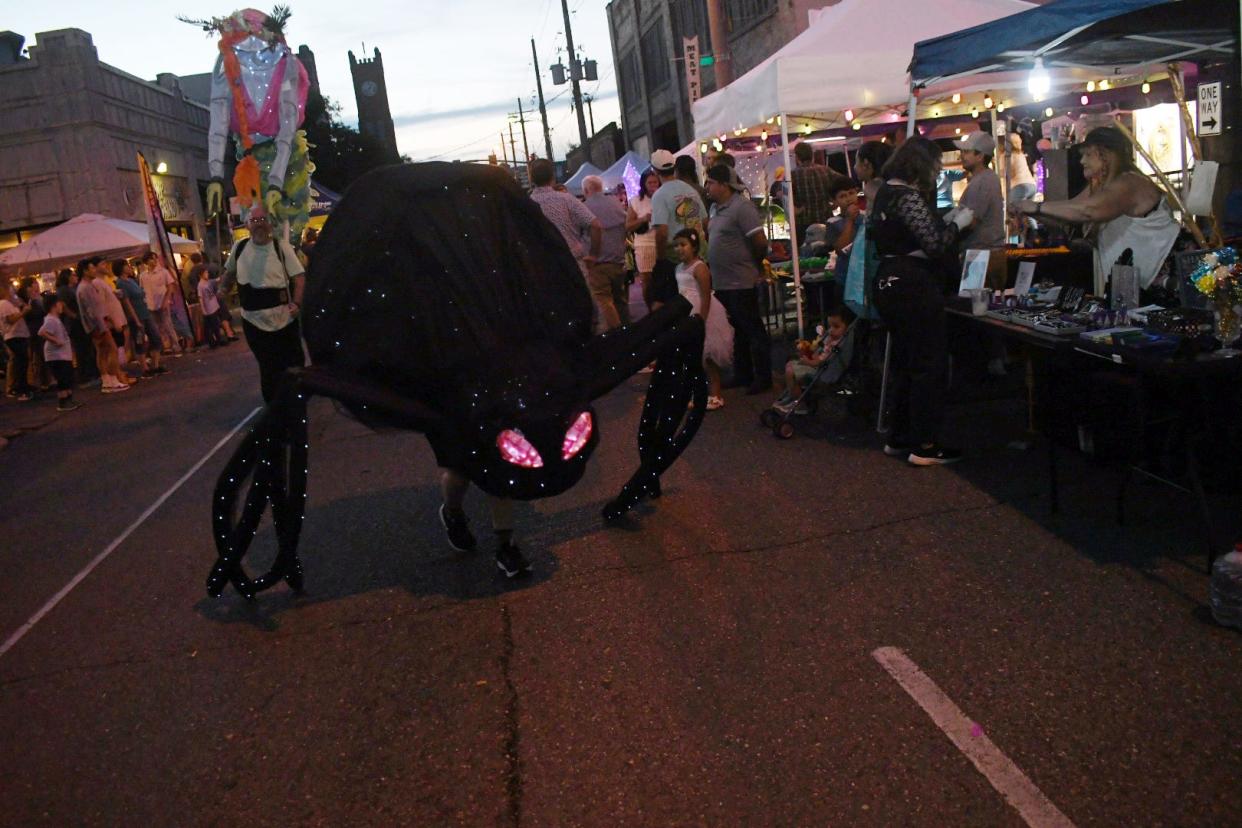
<point x="258" y="95"/>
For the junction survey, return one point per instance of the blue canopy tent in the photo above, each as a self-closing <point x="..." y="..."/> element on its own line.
<point x="574" y="184"/>
<point x="625" y="170"/>
<point x="1116" y="36"/>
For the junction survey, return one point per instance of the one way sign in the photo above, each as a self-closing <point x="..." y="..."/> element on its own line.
<point x="1209" y="108"/>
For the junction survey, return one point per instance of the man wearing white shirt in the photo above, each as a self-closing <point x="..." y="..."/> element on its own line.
<point x="270" y="281"/>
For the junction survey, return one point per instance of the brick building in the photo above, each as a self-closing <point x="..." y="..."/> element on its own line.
<point x="72" y="129"/>
<point x="647" y="48"/>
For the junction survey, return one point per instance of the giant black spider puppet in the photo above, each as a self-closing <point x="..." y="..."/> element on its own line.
<point x="441" y="300"/>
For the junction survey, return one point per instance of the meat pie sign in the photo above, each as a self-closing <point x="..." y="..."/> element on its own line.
<point x="690" y="55"/>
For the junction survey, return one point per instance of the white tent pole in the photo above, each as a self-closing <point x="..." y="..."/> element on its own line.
<point x="793" y="223"/>
<point x="1002" y="144"/>
<point x="910" y="113"/>
<point x="849" y="168"/>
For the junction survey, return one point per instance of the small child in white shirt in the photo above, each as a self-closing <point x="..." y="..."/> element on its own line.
<point x="58" y="354"/>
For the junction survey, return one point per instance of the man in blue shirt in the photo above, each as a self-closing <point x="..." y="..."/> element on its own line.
<point x="841" y="231"/>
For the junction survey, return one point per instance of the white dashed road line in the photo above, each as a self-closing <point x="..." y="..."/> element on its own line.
<point x="1006" y="777"/>
<point x="17" y="636"/>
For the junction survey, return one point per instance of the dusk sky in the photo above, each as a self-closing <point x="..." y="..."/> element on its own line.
<point x="455" y="69"/>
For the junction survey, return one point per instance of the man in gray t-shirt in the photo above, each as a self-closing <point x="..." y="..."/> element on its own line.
<point x="983" y="194"/>
<point x="735" y="244"/>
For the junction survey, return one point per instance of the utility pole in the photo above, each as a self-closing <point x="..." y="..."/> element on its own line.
<point x="723" y="63"/>
<point x="522" y="120"/>
<point x="504" y="157"/>
<point x="575" y="72"/>
<point x="591" y="111"/>
<point x="543" y="108"/>
<point x="512" y="145"/>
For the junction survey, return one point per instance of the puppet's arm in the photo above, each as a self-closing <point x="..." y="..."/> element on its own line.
<point x="290" y="115"/>
<point x="217" y="136"/>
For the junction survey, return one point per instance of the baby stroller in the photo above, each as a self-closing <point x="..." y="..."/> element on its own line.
<point x="836" y="384"/>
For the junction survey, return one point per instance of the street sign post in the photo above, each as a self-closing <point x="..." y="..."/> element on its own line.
<point x="1209" y="109"/>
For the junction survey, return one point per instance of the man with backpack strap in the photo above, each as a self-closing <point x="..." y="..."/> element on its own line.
<point x="270" y="281"/>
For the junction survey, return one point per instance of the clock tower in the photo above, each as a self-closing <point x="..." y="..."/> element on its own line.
<point x="371" y="93"/>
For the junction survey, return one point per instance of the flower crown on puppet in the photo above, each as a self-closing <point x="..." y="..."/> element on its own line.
<point x="245" y="22"/>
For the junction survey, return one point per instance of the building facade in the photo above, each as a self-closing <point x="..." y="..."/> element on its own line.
<point x="647" y="37"/>
<point x="73" y="127"/>
<point x="371" y="93"/>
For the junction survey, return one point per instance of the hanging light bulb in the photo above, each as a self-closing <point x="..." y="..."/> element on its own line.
<point x="1103" y="85"/>
<point x="806" y="129"/>
<point x="1090" y="86"/>
<point x="957" y="130"/>
<point x="974" y="112"/>
<point x="935" y="113"/>
<point x="987" y="101"/>
<point x="1039" y="83"/>
<point x="849" y="115"/>
<point x="703" y="149"/>
<point x="957" y="97"/>
<point x="1048" y="112"/>
<point x="1000" y="107"/>
<point x="1084" y="100"/>
<point x="1146" y="87"/>
<point x="763" y="136"/>
<point x="857" y="126"/>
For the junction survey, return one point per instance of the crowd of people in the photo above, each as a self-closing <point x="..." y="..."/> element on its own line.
<point x="705" y="239"/>
<point x="107" y="324"/>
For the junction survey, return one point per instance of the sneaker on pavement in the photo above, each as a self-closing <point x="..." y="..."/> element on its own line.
<point x="934" y="455"/>
<point x="511" y="561"/>
<point x="68" y="406"/>
<point x="897" y="448"/>
<point x="457" y="527"/>
<point x="715" y="403"/>
<point x="113" y="389"/>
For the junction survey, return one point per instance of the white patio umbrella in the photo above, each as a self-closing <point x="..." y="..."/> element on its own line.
<point x="89" y="234"/>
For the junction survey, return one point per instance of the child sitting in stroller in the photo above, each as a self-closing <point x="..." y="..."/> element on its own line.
<point x="803" y="369"/>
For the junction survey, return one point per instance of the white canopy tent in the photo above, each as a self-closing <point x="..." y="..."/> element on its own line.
<point x="854" y="55"/>
<point x="89" y="234"/>
<point x="625" y="170"/>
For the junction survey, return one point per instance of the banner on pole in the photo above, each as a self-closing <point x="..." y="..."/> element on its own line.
<point x="690" y="57"/>
<point x="156" y="230"/>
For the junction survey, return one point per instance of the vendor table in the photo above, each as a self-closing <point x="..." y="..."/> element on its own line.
<point x="1191" y="383"/>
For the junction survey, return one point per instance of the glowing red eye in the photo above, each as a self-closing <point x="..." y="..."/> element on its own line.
<point x="577" y="436"/>
<point x="517" y="450"/>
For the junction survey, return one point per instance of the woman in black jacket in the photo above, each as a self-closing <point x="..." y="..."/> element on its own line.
<point x="910" y="239"/>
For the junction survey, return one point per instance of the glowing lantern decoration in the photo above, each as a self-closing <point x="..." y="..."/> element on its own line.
<point x="577" y="436"/>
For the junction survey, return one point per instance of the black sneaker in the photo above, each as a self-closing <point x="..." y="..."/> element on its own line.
<point x="511" y="561"/>
<point x="934" y="455"/>
<point x="457" y="527"/>
<point x="897" y="448"/>
<point x="68" y="405"/>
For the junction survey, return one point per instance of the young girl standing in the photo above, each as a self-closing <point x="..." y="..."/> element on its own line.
<point x="694" y="281"/>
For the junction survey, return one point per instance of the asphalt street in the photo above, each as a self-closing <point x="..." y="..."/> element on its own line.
<point x="711" y="661"/>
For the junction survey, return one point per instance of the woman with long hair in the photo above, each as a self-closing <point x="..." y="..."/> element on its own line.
<point x="638" y="222"/>
<point x="1121" y="209"/>
<point x="911" y="239"/>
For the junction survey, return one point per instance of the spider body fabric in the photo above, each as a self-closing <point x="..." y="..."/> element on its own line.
<point x="440" y="300"/>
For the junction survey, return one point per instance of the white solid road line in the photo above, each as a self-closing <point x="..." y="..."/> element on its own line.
<point x="1029" y="801"/>
<point x="17" y="636"/>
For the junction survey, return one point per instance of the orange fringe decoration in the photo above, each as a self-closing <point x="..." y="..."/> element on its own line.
<point x="247" y="177"/>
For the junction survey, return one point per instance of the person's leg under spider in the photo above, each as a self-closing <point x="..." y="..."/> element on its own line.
<point x="453" y="488"/>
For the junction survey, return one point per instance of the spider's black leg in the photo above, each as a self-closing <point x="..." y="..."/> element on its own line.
<point x="277" y="440"/>
<point x="668" y="423"/>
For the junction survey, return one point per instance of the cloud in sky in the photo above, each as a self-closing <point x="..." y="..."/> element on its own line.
<point x="454" y="70"/>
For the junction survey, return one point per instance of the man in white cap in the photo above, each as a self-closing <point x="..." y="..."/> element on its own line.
<point x="674" y="207"/>
<point x="983" y="193"/>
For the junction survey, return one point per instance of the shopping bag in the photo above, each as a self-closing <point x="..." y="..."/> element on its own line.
<point x="860" y="278"/>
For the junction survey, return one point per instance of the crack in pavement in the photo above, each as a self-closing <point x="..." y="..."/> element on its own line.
<point x="513" y="733"/>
